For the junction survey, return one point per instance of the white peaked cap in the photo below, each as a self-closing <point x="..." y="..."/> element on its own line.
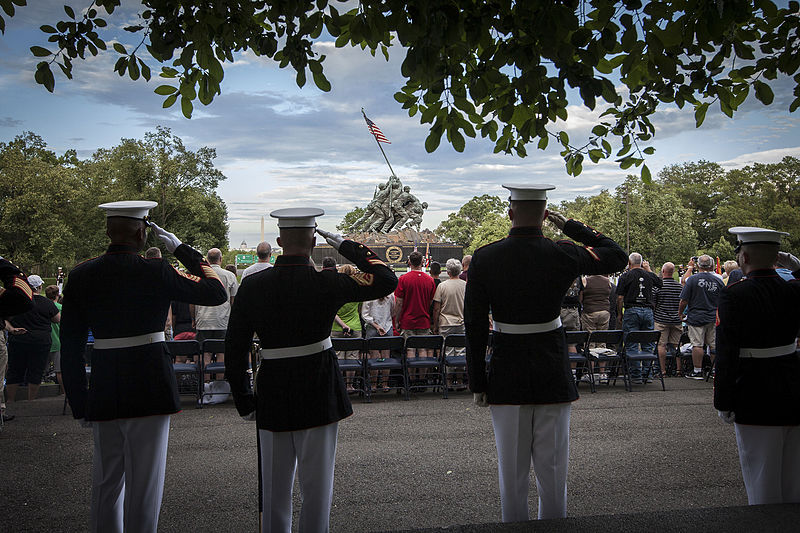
<point x="138" y="209"/>
<point x="297" y="217"/>
<point x="537" y="191"/>
<point x="751" y="235"/>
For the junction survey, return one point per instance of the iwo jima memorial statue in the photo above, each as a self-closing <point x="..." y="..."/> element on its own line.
<point x="392" y="223"/>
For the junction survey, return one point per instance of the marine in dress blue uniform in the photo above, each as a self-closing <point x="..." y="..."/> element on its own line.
<point x="521" y="280"/>
<point x="300" y="395"/>
<point x="124" y="299"/>
<point x="757" y="381"/>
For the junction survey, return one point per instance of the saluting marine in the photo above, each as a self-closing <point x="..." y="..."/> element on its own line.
<point x="124" y="299"/>
<point x="529" y="385"/>
<point x="757" y="381"/>
<point x="300" y="394"/>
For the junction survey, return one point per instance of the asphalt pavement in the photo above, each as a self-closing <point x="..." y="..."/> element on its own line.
<point x="647" y="459"/>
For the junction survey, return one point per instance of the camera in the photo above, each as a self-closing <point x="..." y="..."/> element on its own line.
<point x="694" y="259"/>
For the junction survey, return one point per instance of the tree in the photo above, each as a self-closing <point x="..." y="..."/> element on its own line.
<point x="347" y="225"/>
<point x="183" y="183"/>
<point x="765" y="195"/>
<point x="492" y="228"/>
<point x="697" y="187"/>
<point x="657" y="226"/>
<point x="48" y="204"/>
<point x="506" y="70"/>
<point x="40" y="204"/>
<point x="460" y="227"/>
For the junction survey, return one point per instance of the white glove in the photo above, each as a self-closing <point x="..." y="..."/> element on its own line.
<point x="334" y="239"/>
<point x="250" y="418"/>
<point x="171" y="242"/>
<point x="85" y="423"/>
<point x="557" y="219"/>
<point x="480" y="399"/>
<point x="727" y="416"/>
<point x="787" y="260"/>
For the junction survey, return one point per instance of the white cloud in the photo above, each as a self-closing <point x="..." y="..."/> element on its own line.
<point x="767" y="156"/>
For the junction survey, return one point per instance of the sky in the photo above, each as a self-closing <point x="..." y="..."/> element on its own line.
<point x="283" y="146"/>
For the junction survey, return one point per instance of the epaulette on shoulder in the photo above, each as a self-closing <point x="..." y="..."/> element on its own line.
<point x="735" y="283"/>
<point x="86" y="261"/>
<point x="489" y="244"/>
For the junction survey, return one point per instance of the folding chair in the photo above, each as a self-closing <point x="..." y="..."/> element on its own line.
<point x="430" y="363"/>
<point x="396" y="346"/>
<point x="188" y="369"/>
<point x="631" y="355"/>
<point x="612" y="338"/>
<point x="579" y="357"/>
<point x="87" y="356"/>
<point x="214" y="347"/>
<point x="343" y="344"/>
<point x="456" y="340"/>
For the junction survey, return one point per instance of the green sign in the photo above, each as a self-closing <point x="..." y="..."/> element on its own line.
<point x="245" y="259"/>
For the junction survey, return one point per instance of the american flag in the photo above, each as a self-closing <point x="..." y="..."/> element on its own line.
<point x="376" y="131"/>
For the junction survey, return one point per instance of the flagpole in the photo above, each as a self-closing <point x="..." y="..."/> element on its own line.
<point x="380" y="147"/>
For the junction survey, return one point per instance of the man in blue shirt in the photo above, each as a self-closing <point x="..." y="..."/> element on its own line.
<point x="701" y="295"/>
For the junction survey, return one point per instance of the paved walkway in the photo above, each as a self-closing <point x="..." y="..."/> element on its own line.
<point x="425" y="463"/>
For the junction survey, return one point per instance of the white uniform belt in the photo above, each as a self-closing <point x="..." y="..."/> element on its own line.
<point x="523" y="329"/>
<point x="296" y="351"/>
<point x="764" y="353"/>
<point x="127" y="342"/>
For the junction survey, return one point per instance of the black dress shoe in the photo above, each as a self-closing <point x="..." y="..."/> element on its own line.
<point x="8" y="418"/>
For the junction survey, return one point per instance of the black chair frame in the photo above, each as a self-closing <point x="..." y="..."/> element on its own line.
<point x="396" y="345"/>
<point x="631" y="356"/>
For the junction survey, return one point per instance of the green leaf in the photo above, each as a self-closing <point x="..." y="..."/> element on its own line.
<point x="145" y="70"/>
<point x="764" y="92"/>
<point x="170" y="101"/>
<point x="457" y="140"/>
<point x="646" y="177"/>
<point x="543" y="142"/>
<point x="119" y="48"/>
<point x="70" y="12"/>
<point x="563" y="138"/>
<point x="322" y="82"/>
<point x="186" y="107"/>
<point x="48" y="29"/>
<point x="433" y="140"/>
<point x="599" y="130"/>
<point x="133" y="69"/>
<point x="700" y="113"/>
<point x="39" y="51"/>
<point x="165" y="90"/>
<point x="649" y="150"/>
<point x="300" y="79"/>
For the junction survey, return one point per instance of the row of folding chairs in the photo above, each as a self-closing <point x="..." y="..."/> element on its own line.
<point x="437" y="366"/>
<point x="627" y="352"/>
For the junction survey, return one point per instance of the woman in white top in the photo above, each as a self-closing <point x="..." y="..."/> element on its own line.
<point x="377" y="315"/>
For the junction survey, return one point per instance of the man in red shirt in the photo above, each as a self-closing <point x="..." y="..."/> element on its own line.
<point x="413" y="298"/>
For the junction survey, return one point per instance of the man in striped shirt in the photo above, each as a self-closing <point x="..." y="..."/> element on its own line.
<point x="666" y="317"/>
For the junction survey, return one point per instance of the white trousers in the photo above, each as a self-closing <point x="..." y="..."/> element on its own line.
<point x="130" y="458"/>
<point x="770" y="460"/>
<point x="532" y="432"/>
<point x="312" y="452"/>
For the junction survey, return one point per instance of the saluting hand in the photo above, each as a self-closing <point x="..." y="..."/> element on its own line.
<point x="334" y="239"/>
<point x="557" y="219"/>
<point x="171" y="242"/>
